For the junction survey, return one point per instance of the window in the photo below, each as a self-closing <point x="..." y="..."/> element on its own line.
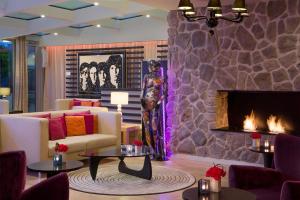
<point x="6" y="67"/>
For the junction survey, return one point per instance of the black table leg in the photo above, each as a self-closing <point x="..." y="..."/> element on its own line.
<point x="93" y="165"/>
<point x="145" y="172"/>
<point x="268" y="159"/>
<point x="50" y="174"/>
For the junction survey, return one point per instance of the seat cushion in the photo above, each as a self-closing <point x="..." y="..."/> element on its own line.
<point x="99" y="140"/>
<point x="74" y="143"/>
<point x="270" y="193"/>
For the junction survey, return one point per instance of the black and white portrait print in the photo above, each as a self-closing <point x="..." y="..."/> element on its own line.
<point x="99" y="71"/>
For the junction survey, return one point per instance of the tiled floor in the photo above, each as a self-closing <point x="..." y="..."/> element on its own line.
<point x="194" y="165"/>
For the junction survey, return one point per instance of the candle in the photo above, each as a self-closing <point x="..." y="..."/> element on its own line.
<point x="203" y="186"/>
<point x="267" y="144"/>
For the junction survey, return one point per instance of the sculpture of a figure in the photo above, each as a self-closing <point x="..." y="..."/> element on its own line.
<point x="153" y="91"/>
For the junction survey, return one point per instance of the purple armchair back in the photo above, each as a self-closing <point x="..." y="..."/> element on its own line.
<point x="286" y="156"/>
<point x="54" y="188"/>
<point x="12" y="174"/>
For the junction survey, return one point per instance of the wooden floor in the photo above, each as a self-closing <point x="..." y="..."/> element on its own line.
<point x="194" y="166"/>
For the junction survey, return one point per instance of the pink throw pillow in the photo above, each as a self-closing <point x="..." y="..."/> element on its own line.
<point x="89" y="123"/>
<point x="47" y="116"/>
<point x="57" y="128"/>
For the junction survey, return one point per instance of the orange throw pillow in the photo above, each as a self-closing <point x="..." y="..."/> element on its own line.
<point x="75" y="125"/>
<point x="95" y="130"/>
<point x="86" y="103"/>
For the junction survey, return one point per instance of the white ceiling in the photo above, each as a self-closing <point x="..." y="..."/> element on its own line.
<point x="59" y="20"/>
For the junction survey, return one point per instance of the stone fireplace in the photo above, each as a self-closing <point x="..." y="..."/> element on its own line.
<point x="260" y="54"/>
<point x="272" y="112"/>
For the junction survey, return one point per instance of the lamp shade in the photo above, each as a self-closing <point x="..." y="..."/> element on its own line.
<point x="5" y="91"/>
<point x="239" y="6"/>
<point x="185" y="5"/>
<point x="119" y="98"/>
<point x="190" y="11"/>
<point x="214" y="5"/>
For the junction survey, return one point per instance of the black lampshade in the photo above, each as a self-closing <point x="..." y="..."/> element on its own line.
<point x="185" y="5"/>
<point x="214" y="5"/>
<point x="239" y="6"/>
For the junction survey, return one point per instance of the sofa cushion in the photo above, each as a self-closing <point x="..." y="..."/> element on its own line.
<point x="75" y="125"/>
<point x="46" y="115"/>
<point x="89" y="123"/>
<point x="75" y="144"/>
<point x="57" y="128"/>
<point x="99" y="140"/>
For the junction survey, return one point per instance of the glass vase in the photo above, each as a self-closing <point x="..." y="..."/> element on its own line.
<point x="214" y="185"/>
<point x="256" y="143"/>
<point x="57" y="160"/>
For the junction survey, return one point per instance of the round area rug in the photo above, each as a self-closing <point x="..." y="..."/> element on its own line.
<point x="110" y="181"/>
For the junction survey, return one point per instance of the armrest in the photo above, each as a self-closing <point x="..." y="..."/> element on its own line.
<point x="290" y="190"/>
<point x="56" y="187"/>
<point x="62" y="104"/>
<point x="25" y="133"/>
<point x="250" y="177"/>
<point x="110" y="123"/>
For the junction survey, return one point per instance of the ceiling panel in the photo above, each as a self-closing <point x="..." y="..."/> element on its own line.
<point x="72" y="5"/>
<point x="23" y="16"/>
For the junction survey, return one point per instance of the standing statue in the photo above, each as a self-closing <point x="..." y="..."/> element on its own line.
<point x="153" y="93"/>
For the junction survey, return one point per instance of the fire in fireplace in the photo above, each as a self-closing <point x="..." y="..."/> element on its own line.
<point x="269" y="112"/>
<point x="275" y="124"/>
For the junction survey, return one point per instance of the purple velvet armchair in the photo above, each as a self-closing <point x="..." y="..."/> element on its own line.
<point x="13" y="176"/>
<point x="281" y="183"/>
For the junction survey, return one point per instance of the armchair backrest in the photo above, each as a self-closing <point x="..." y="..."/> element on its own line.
<point x="12" y="174"/>
<point x="286" y="156"/>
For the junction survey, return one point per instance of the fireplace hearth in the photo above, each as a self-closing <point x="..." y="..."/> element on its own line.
<point x="267" y="112"/>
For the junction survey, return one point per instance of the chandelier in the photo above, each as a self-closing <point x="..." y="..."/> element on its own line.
<point x="215" y="12"/>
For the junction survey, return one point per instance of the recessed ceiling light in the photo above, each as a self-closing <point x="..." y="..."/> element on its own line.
<point x="98" y="25"/>
<point x="96" y="4"/>
<point x="55" y="34"/>
<point x="43" y="16"/>
<point x="148" y="16"/>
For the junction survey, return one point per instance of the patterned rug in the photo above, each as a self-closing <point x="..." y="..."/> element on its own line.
<point x="111" y="182"/>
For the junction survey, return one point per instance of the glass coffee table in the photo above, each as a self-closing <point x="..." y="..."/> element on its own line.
<point x="48" y="168"/>
<point x="96" y="156"/>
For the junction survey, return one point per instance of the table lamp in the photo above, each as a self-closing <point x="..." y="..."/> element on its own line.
<point x="119" y="98"/>
<point x="4" y="91"/>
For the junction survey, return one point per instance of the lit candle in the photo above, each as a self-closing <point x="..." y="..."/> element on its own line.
<point x="267" y="144"/>
<point x="203" y="186"/>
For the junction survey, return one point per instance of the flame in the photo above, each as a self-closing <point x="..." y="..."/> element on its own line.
<point x="249" y="122"/>
<point x="275" y="125"/>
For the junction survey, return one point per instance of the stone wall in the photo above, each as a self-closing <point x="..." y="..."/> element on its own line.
<point x="261" y="53"/>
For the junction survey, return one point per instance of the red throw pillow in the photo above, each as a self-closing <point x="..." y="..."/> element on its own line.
<point x="57" y="128"/>
<point x="76" y="102"/>
<point x="89" y="123"/>
<point x="97" y="104"/>
<point x="47" y="116"/>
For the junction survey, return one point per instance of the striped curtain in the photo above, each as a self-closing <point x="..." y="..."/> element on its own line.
<point x="20" y="76"/>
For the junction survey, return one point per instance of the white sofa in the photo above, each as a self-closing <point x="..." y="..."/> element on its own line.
<point x="64" y="104"/>
<point x="31" y="134"/>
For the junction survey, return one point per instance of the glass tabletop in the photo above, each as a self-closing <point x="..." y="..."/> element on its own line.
<point x="47" y="166"/>
<point x="123" y="151"/>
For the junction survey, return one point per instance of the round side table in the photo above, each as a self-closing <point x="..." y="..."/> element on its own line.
<point x="48" y="168"/>
<point x="268" y="154"/>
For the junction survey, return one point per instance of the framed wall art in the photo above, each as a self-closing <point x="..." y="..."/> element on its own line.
<point x="97" y="71"/>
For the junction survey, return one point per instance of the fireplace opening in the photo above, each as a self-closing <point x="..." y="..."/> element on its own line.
<point x="267" y="112"/>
